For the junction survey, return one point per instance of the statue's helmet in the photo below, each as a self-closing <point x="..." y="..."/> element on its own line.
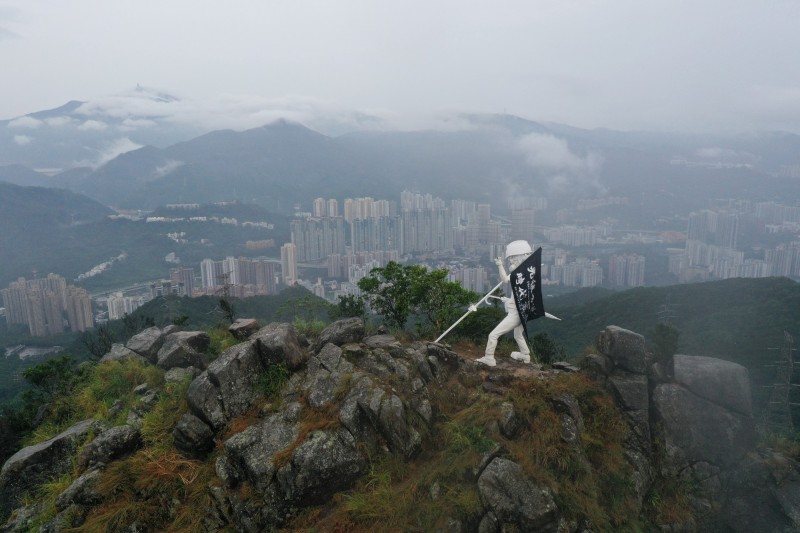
<point x="518" y="248"/>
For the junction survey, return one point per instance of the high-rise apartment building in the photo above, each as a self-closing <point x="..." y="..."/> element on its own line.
<point x="522" y="224"/>
<point x="79" y="309"/>
<point x="626" y="270"/>
<point x="40" y="304"/>
<point x="183" y="278"/>
<point x="289" y="263"/>
<point x="317" y="238"/>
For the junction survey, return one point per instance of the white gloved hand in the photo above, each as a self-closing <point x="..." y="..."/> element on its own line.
<point x="505" y="299"/>
<point x="473" y="308"/>
<point x="498" y="261"/>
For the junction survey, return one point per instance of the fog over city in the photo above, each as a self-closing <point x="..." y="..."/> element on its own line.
<point x="712" y="66"/>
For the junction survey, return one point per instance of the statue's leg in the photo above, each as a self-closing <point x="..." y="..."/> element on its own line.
<point x="524" y="353"/>
<point x="519" y="336"/>
<point x="507" y="324"/>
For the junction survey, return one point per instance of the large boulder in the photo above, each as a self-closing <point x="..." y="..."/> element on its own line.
<point x="253" y="450"/>
<point x="342" y="332"/>
<point x="278" y="343"/>
<point x="82" y="491"/>
<point x="109" y="445"/>
<point x="725" y="383"/>
<point x="35" y="464"/>
<point x="192" y="437"/>
<point x="514" y="500"/>
<point x="326" y="462"/>
<point x="183" y="349"/>
<point x="205" y="401"/>
<point x="631" y="394"/>
<point x="242" y="328"/>
<point x="236" y="373"/>
<point x="119" y="352"/>
<point x="147" y="343"/>
<point x="698" y="430"/>
<point x="625" y="348"/>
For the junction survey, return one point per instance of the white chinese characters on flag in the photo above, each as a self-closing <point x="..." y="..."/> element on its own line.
<point x="526" y="284"/>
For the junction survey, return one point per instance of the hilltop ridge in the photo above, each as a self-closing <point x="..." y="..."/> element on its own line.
<point x="349" y="430"/>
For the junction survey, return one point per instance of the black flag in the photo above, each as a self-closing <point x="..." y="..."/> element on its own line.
<point x="526" y="284"/>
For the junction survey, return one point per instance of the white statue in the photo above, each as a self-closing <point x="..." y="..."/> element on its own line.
<point x="516" y="253"/>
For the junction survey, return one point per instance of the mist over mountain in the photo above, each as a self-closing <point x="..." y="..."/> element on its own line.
<point x="142" y="150"/>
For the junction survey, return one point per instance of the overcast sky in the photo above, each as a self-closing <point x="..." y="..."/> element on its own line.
<point x="690" y="65"/>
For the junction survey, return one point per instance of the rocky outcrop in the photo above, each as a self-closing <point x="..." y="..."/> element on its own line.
<point x="701" y="407"/>
<point x="721" y="382"/>
<point x="348" y="400"/>
<point x="342" y="332"/>
<point x="183" y="349"/>
<point x="242" y="328"/>
<point x="147" y="343"/>
<point x="278" y="343"/>
<point x="514" y="501"/>
<point x="119" y="352"/>
<point x="109" y="445"/>
<point x="35" y="464"/>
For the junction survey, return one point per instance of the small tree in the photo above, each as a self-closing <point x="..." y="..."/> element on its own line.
<point x="390" y="291"/>
<point x="349" y="305"/>
<point x="546" y="348"/>
<point x="396" y="292"/>
<point x="441" y="301"/>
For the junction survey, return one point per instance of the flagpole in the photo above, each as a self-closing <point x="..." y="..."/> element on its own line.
<point x="469" y="311"/>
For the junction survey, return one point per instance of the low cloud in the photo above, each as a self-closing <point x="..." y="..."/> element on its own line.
<point x="25" y="122"/>
<point x="58" y="122"/>
<point x="22" y="140"/>
<point x="167" y="168"/>
<point x="130" y="124"/>
<point x="109" y="152"/>
<point x="562" y="169"/>
<point x="93" y="125"/>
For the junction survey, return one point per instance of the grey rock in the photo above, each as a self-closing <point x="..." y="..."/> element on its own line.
<point x="642" y="475"/>
<point x="323" y="464"/>
<point x="109" y="445"/>
<point x="322" y="388"/>
<point x="236" y="374"/>
<point x="242" y="328"/>
<point x="489" y="524"/>
<point x="508" y="423"/>
<point x="179" y="375"/>
<point x="141" y="389"/>
<point x="192" y="437"/>
<point x="494" y="452"/>
<point x="382" y="341"/>
<point x="83" y="491"/>
<point x="569" y="430"/>
<point x="331" y="357"/>
<point x="567" y="404"/>
<point x="278" y="343"/>
<point x="119" y="352"/>
<point x="515" y="500"/>
<point x="342" y="332"/>
<point x="625" y="348"/>
<point x="254" y="448"/>
<point x="198" y="341"/>
<point x="698" y="430"/>
<point x="725" y="383"/>
<point x="205" y="401"/>
<point x="392" y="423"/>
<point x="631" y="393"/>
<point x="598" y="366"/>
<point x="565" y="366"/>
<point x="35" y="464"/>
<point x="177" y="351"/>
<point x="147" y="343"/>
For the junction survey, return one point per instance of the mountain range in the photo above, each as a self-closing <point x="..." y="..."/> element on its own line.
<point x="142" y="161"/>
